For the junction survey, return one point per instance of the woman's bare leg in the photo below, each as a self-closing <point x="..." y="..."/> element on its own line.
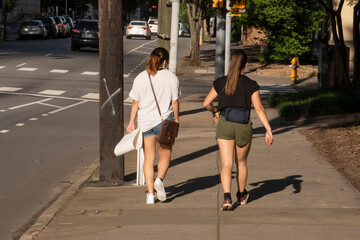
<point x="241" y="163"/>
<point x="164" y="160"/>
<point x="150" y="153"/>
<point x="227" y="158"/>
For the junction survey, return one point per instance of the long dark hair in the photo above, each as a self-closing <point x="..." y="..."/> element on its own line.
<point x="237" y="64"/>
<point x="157" y="57"/>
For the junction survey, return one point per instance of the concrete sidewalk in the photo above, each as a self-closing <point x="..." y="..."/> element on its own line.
<point x="294" y="192"/>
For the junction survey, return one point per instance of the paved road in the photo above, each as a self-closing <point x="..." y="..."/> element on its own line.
<point x="49" y="119"/>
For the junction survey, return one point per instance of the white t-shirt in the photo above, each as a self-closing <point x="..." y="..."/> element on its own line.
<point x="166" y="86"/>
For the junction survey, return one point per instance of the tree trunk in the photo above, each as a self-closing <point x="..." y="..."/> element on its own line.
<point x="194" y="14"/>
<point x="205" y="28"/>
<point x="356" y="33"/>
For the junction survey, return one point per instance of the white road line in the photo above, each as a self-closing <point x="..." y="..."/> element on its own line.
<point x="44" y="114"/>
<point x="27" y="69"/>
<point x="126" y="75"/>
<point x="52" y="92"/>
<point x="50" y="105"/>
<point x="59" y="71"/>
<point x="49" y="54"/>
<point x="44" y="96"/>
<point x="67" y="107"/>
<point x="1" y="67"/>
<point x="4" y="131"/>
<point x="20" y="124"/>
<point x="28" y="104"/>
<point x="33" y="119"/>
<point x="3" y="110"/>
<point x="90" y="73"/>
<point x="142" y="45"/>
<point x="147" y="53"/>
<point x="22" y="64"/>
<point x="91" y="96"/>
<point x="9" y="89"/>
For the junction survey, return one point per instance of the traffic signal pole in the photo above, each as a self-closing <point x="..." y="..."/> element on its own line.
<point x="111" y="91"/>
<point x="220" y="42"/>
<point x="227" y="37"/>
<point x="174" y="38"/>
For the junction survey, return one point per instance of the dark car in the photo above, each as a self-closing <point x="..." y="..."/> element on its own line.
<point x="60" y="24"/>
<point x="32" y="29"/>
<point x="85" y="34"/>
<point x="50" y="25"/>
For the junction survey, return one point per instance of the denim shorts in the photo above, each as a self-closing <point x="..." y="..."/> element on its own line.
<point x="156" y="130"/>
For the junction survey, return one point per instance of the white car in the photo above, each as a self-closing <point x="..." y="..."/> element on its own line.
<point x="153" y="24"/>
<point x="138" y="29"/>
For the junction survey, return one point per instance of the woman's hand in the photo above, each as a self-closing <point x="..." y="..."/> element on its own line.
<point x="130" y="127"/>
<point x="269" y="137"/>
<point x="216" y="117"/>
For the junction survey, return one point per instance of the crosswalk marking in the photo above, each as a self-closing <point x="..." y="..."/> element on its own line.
<point x="1" y="67"/>
<point x="22" y="64"/>
<point x="91" y="96"/>
<point x="9" y="89"/>
<point x="4" y="131"/>
<point x="90" y="73"/>
<point x="59" y="71"/>
<point x="27" y="69"/>
<point x="20" y="124"/>
<point x="52" y="92"/>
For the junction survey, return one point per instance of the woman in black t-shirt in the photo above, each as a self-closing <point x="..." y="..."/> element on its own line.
<point x="235" y="93"/>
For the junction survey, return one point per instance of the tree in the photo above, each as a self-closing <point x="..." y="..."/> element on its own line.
<point x="6" y="7"/>
<point x="356" y="39"/>
<point x="287" y="24"/>
<point x="338" y="37"/>
<point x="195" y="11"/>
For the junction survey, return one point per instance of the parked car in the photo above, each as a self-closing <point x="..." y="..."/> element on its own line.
<point x="183" y="30"/>
<point x="153" y="24"/>
<point x="60" y="24"/>
<point x="138" y="29"/>
<point x="67" y="26"/>
<point x="50" y="25"/>
<point x="32" y="29"/>
<point x="71" y="23"/>
<point x="85" y="34"/>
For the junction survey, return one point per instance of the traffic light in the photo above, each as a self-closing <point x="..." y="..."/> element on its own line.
<point x="240" y="4"/>
<point x="218" y="4"/>
<point x="153" y="6"/>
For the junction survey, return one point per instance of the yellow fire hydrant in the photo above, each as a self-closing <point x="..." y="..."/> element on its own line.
<point x="294" y="67"/>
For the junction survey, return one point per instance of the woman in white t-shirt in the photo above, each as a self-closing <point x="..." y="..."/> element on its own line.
<point x="166" y="87"/>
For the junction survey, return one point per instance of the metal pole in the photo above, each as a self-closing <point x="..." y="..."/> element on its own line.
<point x="66" y="7"/>
<point x="111" y="91"/>
<point x="220" y="44"/>
<point x="227" y="37"/>
<point x="174" y="37"/>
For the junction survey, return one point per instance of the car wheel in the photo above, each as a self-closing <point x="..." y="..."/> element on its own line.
<point x="74" y="47"/>
<point x="128" y="37"/>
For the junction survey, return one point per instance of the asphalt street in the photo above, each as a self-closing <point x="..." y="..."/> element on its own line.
<point x="49" y="115"/>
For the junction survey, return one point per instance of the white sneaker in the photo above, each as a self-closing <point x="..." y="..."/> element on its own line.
<point x="150" y="198"/>
<point x="160" y="190"/>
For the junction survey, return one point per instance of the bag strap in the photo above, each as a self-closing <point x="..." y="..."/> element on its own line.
<point x="157" y="104"/>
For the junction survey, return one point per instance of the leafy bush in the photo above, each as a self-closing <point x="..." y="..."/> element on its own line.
<point x="316" y="103"/>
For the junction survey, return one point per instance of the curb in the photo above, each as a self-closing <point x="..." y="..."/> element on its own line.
<point x="47" y="216"/>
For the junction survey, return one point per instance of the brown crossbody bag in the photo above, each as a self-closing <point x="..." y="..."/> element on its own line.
<point x="169" y="129"/>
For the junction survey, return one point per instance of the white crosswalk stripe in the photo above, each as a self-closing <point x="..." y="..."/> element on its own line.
<point x="9" y="89"/>
<point x="91" y="96"/>
<point x="90" y="73"/>
<point x="52" y="92"/>
<point x="59" y="71"/>
<point x="1" y="67"/>
<point x="27" y="69"/>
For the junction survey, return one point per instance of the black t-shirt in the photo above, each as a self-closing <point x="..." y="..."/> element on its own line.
<point x="242" y="96"/>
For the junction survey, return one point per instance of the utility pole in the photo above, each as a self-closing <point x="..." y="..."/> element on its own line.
<point x="227" y="37"/>
<point x="111" y="91"/>
<point x="164" y="24"/>
<point x="174" y="35"/>
<point x="220" y="42"/>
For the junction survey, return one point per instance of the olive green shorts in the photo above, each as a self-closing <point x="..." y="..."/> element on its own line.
<point x="242" y="133"/>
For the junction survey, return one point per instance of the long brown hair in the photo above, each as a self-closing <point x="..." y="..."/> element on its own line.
<point x="157" y="57"/>
<point x="237" y="64"/>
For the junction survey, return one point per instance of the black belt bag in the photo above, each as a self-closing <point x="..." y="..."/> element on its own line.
<point x="236" y="114"/>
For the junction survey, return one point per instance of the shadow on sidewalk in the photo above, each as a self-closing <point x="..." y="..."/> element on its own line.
<point x="268" y="187"/>
<point x="191" y="185"/>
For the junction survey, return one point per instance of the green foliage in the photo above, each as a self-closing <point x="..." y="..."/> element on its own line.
<point x="183" y="18"/>
<point x="9" y="5"/>
<point x="316" y="103"/>
<point x="287" y="23"/>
